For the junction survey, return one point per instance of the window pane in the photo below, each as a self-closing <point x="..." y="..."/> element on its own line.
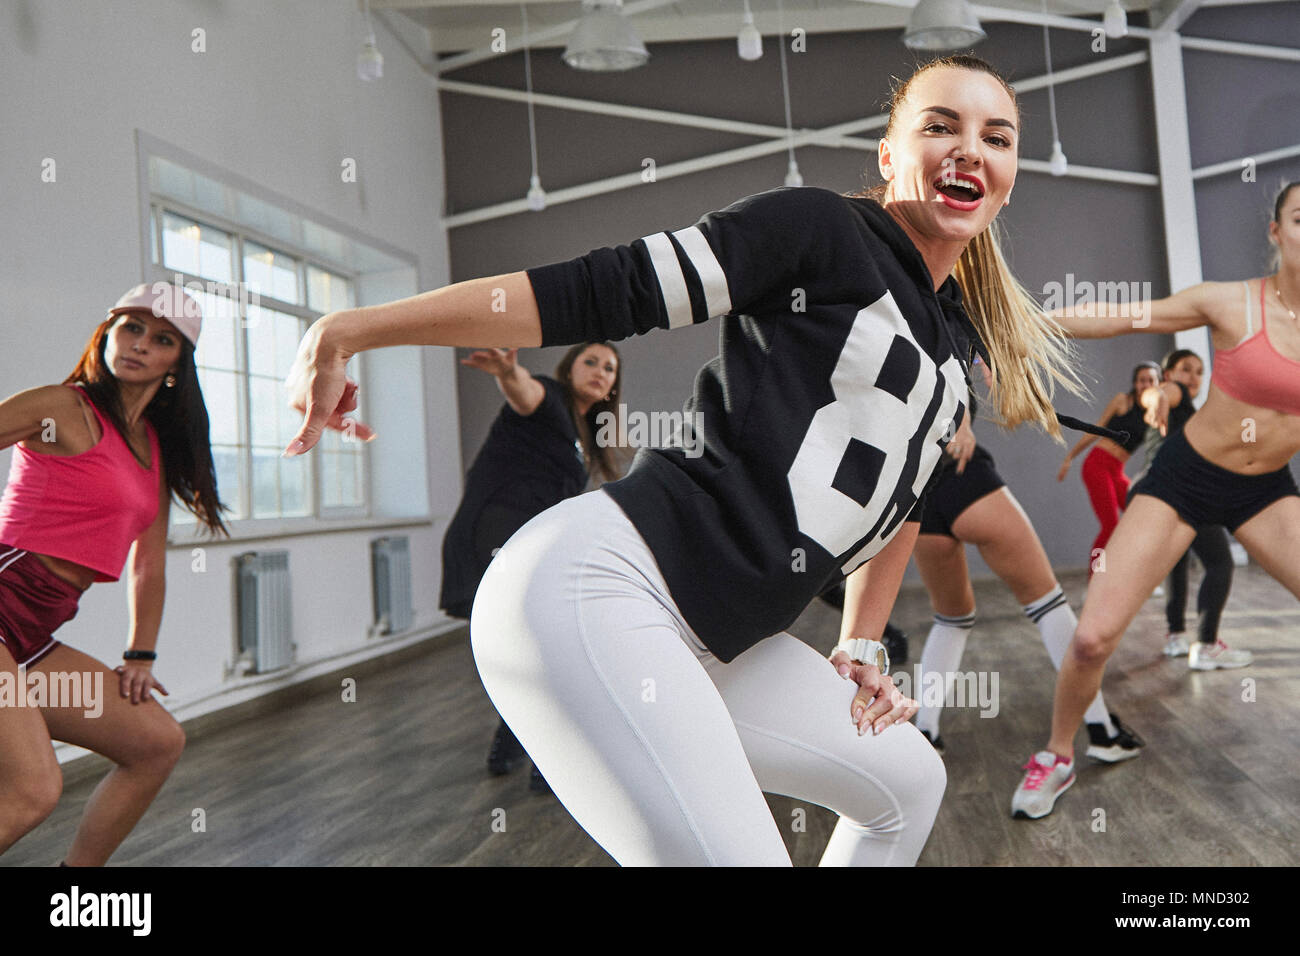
<point x="273" y="339"/>
<point x="266" y="484"/>
<point x="326" y="291"/>
<point x="288" y="333"/>
<point x="199" y="250"/>
<point x="293" y="485"/>
<point x="220" y="394"/>
<point x="263" y="399"/>
<point x="349" y="478"/>
<point x="271" y="273"/>
<point x="217" y="342"/>
<point x="341" y="479"/>
<point x="226" y="461"/>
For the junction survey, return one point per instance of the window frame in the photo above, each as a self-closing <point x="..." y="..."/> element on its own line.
<point x="152" y="209"/>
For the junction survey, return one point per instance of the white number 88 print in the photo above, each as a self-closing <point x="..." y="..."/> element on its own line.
<point x="889" y="395"/>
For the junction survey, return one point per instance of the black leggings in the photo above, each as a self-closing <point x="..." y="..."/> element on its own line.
<point x="1211" y="547"/>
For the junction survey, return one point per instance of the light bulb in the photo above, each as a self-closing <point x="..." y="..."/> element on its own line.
<point x="536" y="195"/>
<point x="370" y="62"/>
<point x="792" y="175"/>
<point x="750" y="42"/>
<point x="1115" y="21"/>
<point x="1058" y="162"/>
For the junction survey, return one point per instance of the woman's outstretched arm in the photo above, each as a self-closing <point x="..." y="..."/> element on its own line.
<point x="1189" y="309"/>
<point x="497" y="311"/>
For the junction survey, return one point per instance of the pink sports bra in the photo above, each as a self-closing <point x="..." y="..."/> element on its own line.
<point x="85" y="508"/>
<point x="1252" y="371"/>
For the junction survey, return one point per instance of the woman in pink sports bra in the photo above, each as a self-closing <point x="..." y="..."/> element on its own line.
<point x="96" y="461"/>
<point x="1229" y="466"/>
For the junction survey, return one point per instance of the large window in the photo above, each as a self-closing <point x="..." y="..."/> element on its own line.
<point x="264" y="267"/>
<point x="259" y="297"/>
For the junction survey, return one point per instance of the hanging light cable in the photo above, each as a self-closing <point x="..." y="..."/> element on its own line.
<point x="749" y="43"/>
<point x="536" y="195"/>
<point x="370" y="62"/>
<point x="1059" y="164"/>
<point x="792" y="175"/>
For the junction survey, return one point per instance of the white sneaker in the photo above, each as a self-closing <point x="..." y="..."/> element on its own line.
<point x="1045" y="780"/>
<point x="1176" y="644"/>
<point x="1208" y="657"/>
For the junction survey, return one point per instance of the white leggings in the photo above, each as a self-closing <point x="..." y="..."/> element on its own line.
<point x="658" y="749"/>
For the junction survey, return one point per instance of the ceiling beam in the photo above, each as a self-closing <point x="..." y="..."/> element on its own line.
<point x="837" y="135"/>
<point x="1241" y="49"/>
<point x="1168" y="15"/>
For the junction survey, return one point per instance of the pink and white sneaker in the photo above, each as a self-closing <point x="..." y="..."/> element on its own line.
<point x="1210" y="657"/>
<point x="1047" y="776"/>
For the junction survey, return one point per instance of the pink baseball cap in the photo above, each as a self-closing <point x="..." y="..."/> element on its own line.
<point x="165" y="301"/>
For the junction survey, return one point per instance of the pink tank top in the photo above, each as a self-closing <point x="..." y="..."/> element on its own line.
<point x="1252" y="371"/>
<point x="85" y="508"/>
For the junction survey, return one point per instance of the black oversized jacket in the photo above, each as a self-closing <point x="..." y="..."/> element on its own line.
<point x="841" y="377"/>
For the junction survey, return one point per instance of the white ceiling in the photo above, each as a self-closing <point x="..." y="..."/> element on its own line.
<point x="454" y="25"/>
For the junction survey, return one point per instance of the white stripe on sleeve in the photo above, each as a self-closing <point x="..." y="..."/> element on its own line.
<point x="677" y="300"/>
<point x="716" y="294"/>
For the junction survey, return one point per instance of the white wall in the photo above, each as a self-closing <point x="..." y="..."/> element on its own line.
<point x="274" y="98"/>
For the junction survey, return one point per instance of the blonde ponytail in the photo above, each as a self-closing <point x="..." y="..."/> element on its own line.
<point x="1029" y="352"/>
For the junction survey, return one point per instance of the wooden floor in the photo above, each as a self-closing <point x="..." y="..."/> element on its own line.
<point x="397" y="778"/>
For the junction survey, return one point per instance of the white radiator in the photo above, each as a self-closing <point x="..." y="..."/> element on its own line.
<point x="390" y="577"/>
<point x="264" y="611"/>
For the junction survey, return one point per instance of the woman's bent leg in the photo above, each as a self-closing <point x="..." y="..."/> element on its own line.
<point x="1146" y="544"/>
<point x="793" y="713"/>
<point x="588" y="663"/>
<point x="30" y="779"/>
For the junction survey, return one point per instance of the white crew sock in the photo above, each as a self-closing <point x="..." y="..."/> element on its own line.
<point x="942" y="654"/>
<point x="1057" y="624"/>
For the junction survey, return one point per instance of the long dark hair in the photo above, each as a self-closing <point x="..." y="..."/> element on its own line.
<point x="177" y="414"/>
<point x="602" y="461"/>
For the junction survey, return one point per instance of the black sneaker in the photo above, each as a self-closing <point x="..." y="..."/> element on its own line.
<point x="895" y="642"/>
<point x="936" y="743"/>
<point x="1125" y="745"/>
<point x="506" y="750"/>
<point x="537" y="783"/>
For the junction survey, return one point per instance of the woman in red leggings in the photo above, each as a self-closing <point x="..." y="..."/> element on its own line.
<point x="1103" y="469"/>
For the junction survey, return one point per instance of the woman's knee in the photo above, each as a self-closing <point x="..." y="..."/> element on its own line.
<point x="160" y="746"/>
<point x="1093" y="643"/>
<point x="25" y="802"/>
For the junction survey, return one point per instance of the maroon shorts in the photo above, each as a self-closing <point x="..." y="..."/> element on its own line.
<point x="34" y="603"/>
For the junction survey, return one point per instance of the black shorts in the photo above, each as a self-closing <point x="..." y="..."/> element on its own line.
<point x="1203" y="493"/>
<point x="953" y="493"/>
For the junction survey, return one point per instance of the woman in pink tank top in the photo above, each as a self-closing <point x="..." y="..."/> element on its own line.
<point x="96" y="462"/>
<point x="1229" y="466"/>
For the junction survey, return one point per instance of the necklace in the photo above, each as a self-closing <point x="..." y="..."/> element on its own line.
<point x="1277" y="287"/>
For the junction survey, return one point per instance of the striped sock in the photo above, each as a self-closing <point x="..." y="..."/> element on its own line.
<point x="1057" y="624"/>
<point x="942" y="653"/>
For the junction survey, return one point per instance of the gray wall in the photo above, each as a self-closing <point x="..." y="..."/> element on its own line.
<point x="1097" y="231"/>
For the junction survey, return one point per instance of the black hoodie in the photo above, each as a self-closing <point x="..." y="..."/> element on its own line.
<point x="842" y="375"/>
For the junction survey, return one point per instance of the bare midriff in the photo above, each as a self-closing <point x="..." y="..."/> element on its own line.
<point x="1240" y="437"/>
<point x="77" y="575"/>
<point x="1111" y="448"/>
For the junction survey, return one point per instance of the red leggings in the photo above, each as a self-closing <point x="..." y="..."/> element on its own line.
<point x="1103" y="476"/>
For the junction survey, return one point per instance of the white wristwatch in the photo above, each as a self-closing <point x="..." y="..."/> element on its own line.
<point x="863" y="651"/>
